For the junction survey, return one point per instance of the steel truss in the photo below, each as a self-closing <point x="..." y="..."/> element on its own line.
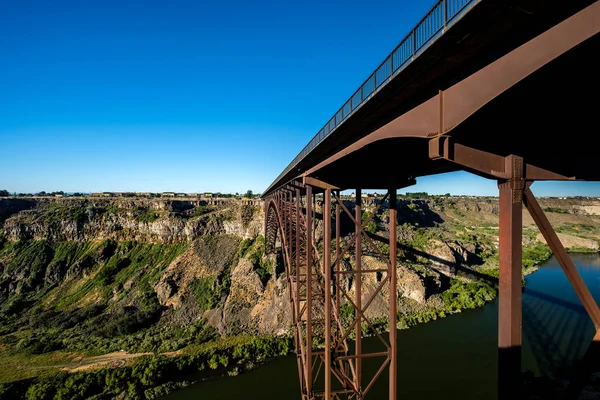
<point x="305" y="218"/>
<point x="329" y="350"/>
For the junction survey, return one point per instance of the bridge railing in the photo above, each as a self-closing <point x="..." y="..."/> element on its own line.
<point x="433" y="24"/>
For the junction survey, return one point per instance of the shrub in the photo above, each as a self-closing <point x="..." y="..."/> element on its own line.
<point x="535" y="254"/>
<point x="144" y="215"/>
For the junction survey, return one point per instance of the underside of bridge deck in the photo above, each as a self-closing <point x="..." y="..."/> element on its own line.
<point x="522" y="109"/>
<point x="550" y="119"/>
<point x="492" y="29"/>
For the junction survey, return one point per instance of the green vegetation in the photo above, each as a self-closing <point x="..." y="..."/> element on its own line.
<point x="93" y="298"/>
<point x="247" y="214"/>
<point x="556" y="210"/>
<point x="532" y="255"/>
<point x="145" y="215"/>
<point x="579" y="229"/>
<point x="254" y="250"/>
<point x="371" y="226"/>
<point x="535" y="254"/>
<point x="459" y="296"/>
<point x="208" y="291"/>
<point x="55" y="213"/>
<point x="148" y="377"/>
<point x="578" y="249"/>
<point x="417" y="237"/>
<point x="466" y="295"/>
<point x="29" y="326"/>
<point x="200" y="211"/>
<point x="415" y="195"/>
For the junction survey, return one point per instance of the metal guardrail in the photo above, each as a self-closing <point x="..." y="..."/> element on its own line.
<point x="433" y="24"/>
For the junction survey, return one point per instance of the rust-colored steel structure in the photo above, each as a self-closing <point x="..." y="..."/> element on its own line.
<point x="498" y="88"/>
<point x="329" y="349"/>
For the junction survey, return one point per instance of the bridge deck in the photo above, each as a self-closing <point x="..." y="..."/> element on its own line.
<point x="489" y="30"/>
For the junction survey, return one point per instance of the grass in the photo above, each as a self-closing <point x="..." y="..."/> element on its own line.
<point x="148" y="377"/>
<point x="200" y="211"/>
<point x="582" y="230"/>
<point x="556" y="210"/>
<point x="535" y="254"/>
<point x="15" y="367"/>
<point x="207" y="292"/>
<point x="144" y="215"/>
<point x="577" y="249"/>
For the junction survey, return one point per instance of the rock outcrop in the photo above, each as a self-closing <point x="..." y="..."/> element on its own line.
<point x="148" y="221"/>
<point x="193" y="255"/>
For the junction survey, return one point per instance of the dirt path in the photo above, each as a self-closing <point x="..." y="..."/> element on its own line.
<point x="116" y="359"/>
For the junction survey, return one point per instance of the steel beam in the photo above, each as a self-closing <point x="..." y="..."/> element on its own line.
<point x="316" y="298"/>
<point x="563" y="257"/>
<point x="510" y="297"/>
<point x="328" y="298"/>
<point x="297" y="239"/>
<point x="309" y="289"/>
<point x="358" y="285"/>
<point x="337" y="255"/>
<point x="457" y="103"/>
<point x="393" y="295"/>
<point x="484" y="163"/>
<point x="307" y="180"/>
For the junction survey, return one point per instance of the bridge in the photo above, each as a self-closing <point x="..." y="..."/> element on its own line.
<point x="505" y="89"/>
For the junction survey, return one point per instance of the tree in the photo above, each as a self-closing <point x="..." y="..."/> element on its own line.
<point x="4" y="193"/>
<point x="249" y="194"/>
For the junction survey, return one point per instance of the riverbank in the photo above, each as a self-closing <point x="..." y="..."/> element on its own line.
<point x="74" y="285"/>
<point x="149" y="377"/>
<point x="152" y="376"/>
<point x="434" y="358"/>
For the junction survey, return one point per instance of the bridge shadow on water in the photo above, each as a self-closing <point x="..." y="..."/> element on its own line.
<point x="557" y="331"/>
<point x="558" y="334"/>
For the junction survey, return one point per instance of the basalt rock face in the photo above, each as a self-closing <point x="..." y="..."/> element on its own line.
<point x="141" y="220"/>
<point x="205" y="260"/>
<point x="10" y="206"/>
<point x="68" y="253"/>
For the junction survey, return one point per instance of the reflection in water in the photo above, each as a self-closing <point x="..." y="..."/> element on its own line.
<point x="556" y="327"/>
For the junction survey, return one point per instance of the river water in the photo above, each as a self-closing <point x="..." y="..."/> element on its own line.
<point x="454" y="357"/>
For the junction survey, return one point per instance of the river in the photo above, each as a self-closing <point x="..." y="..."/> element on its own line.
<point x="454" y="357"/>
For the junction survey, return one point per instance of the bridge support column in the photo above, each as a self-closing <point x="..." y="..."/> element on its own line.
<point x="393" y="294"/>
<point x="358" y="286"/>
<point x="333" y="371"/>
<point x="510" y="288"/>
<point x="328" y="299"/>
<point x="309" y="294"/>
<point x="338" y="297"/>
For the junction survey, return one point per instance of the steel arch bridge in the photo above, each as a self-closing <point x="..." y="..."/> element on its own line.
<point x="476" y="86"/>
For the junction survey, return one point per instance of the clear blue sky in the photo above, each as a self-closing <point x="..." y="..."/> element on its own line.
<point x="187" y="95"/>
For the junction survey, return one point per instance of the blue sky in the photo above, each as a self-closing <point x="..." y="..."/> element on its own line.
<point x="187" y="95"/>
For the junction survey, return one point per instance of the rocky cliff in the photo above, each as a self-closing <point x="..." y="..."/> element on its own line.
<point x="176" y="262"/>
<point x="141" y="220"/>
